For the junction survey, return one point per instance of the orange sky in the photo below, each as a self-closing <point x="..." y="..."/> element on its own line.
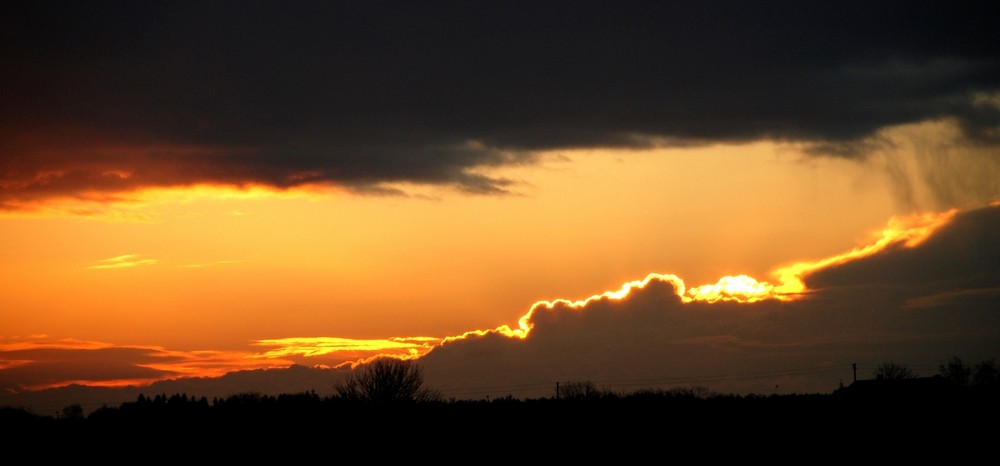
<point x="243" y="274"/>
<point x="205" y="272"/>
<point x="190" y="193"/>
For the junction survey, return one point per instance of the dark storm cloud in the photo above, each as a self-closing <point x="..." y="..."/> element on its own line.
<point x="917" y="306"/>
<point x="360" y="93"/>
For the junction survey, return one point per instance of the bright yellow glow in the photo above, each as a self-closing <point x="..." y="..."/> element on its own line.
<point x="740" y="288"/>
<point x="189" y="194"/>
<point x="524" y="323"/>
<point x="352" y="348"/>
<point x="909" y="231"/>
<point x="122" y="261"/>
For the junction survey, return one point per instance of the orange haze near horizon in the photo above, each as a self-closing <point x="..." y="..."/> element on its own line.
<point x="209" y="275"/>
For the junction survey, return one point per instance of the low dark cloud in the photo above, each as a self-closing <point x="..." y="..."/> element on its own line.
<point x="916" y="306"/>
<point x="276" y="381"/>
<point x="54" y="366"/>
<point x="363" y="93"/>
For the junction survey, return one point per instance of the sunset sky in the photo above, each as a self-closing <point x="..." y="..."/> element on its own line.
<point x="190" y="189"/>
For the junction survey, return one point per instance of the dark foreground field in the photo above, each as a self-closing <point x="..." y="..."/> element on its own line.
<point x="661" y="427"/>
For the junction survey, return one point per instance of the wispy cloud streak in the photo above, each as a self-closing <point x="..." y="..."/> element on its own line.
<point x="121" y="262"/>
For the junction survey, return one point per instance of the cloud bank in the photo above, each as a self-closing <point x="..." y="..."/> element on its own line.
<point x="915" y="302"/>
<point x="104" y="98"/>
<point x="40" y="363"/>
<point x="918" y="297"/>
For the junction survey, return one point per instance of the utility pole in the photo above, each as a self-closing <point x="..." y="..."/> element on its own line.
<point x="557" y="390"/>
<point x="855" y="367"/>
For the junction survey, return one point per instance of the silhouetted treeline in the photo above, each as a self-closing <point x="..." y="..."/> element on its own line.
<point x="386" y="421"/>
<point x="914" y="395"/>
<point x="568" y="428"/>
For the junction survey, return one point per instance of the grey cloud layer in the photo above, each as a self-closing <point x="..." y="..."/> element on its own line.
<point x="915" y="306"/>
<point x="366" y="92"/>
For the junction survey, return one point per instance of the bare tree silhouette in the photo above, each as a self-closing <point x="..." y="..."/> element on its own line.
<point x="73" y="411"/>
<point x="578" y="391"/>
<point x="987" y="374"/>
<point x="892" y="371"/>
<point x="386" y="380"/>
<point x="956" y="371"/>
